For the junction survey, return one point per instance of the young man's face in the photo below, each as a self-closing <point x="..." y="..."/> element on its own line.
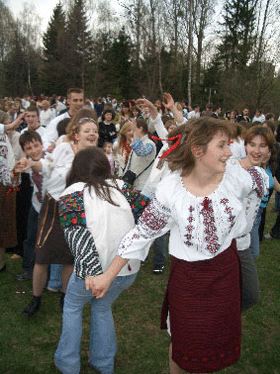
<point x="32" y="120"/>
<point x="76" y="102"/>
<point x="33" y="150"/>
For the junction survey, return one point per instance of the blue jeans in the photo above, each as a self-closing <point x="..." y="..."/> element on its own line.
<point x="55" y="276"/>
<point x="102" y="345"/>
<point x="160" y="247"/>
<point x="30" y="241"/>
<point x="255" y="240"/>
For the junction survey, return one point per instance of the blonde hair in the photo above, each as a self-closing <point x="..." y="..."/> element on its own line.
<point x="122" y="138"/>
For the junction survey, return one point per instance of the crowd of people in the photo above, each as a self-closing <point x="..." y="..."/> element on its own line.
<point x="88" y="187"/>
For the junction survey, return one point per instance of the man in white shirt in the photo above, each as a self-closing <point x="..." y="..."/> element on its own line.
<point x="46" y="114"/>
<point x="195" y="113"/>
<point x="75" y="100"/>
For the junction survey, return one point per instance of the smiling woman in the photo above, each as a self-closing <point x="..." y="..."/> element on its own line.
<point x="201" y="203"/>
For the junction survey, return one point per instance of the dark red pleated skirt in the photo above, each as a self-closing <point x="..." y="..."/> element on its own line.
<point x="51" y="247"/>
<point x="203" y="299"/>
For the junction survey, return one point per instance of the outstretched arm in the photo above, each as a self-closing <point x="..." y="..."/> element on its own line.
<point x="144" y="102"/>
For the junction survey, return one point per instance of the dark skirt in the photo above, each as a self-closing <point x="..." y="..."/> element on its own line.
<point x="8" y="228"/>
<point x="51" y="247"/>
<point x="203" y="299"/>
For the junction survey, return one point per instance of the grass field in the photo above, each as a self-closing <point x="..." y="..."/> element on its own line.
<point x="27" y="345"/>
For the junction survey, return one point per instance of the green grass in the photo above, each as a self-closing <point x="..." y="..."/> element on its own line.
<point x="27" y="345"/>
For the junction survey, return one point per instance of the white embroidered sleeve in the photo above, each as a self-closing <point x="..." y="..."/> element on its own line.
<point x="153" y="223"/>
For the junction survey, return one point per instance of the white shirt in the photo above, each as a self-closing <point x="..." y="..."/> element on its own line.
<point x="193" y="115"/>
<point x="107" y="224"/>
<point x="55" y="167"/>
<point x="200" y="227"/>
<point x="51" y="131"/>
<point x="238" y="149"/>
<point x="46" y="116"/>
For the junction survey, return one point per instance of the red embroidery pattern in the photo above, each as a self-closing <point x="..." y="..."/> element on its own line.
<point x="228" y="210"/>
<point x="214" y="358"/>
<point x="154" y="217"/>
<point x="210" y="228"/>
<point x="189" y="228"/>
<point x="258" y="183"/>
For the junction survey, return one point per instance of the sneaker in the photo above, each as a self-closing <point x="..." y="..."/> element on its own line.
<point x="158" y="269"/>
<point x="55" y="290"/>
<point x="23" y="276"/>
<point x="268" y="236"/>
<point x="32" y="307"/>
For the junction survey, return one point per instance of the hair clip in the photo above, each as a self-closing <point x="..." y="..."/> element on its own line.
<point x="86" y="119"/>
<point x="183" y="138"/>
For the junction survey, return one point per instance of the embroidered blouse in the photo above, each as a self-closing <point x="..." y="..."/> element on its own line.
<point x="200" y="227"/>
<point x="140" y="148"/>
<point x="7" y="160"/>
<point x="93" y="228"/>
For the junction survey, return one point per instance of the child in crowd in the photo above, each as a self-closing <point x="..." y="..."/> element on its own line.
<point x="108" y="149"/>
<point x="31" y="144"/>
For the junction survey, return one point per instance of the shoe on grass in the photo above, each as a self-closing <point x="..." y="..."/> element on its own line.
<point x="158" y="269"/>
<point x="54" y="290"/>
<point x="23" y="276"/>
<point x="32" y="307"/>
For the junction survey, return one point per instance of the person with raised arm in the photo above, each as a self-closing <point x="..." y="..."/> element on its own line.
<point x="201" y="203"/>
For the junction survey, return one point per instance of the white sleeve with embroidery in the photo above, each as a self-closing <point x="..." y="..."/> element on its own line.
<point x="153" y="223"/>
<point x="242" y="182"/>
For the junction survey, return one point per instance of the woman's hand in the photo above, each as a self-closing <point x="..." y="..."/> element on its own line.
<point x="98" y="285"/>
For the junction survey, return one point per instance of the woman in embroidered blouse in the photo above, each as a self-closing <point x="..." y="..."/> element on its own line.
<point x="51" y="247"/>
<point x="259" y="142"/>
<point x="201" y="203"/>
<point x="95" y="215"/>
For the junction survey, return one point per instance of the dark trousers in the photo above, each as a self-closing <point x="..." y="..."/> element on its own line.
<point x="29" y="243"/>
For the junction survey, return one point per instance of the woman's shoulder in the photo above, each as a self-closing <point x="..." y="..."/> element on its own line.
<point x="170" y="183"/>
<point x="75" y="187"/>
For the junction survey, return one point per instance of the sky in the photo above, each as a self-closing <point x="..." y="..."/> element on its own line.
<point x="44" y="8"/>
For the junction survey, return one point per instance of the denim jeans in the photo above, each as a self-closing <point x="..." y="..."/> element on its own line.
<point x="55" y="272"/>
<point x="29" y="243"/>
<point x="160" y="248"/>
<point x="255" y="240"/>
<point x="102" y="345"/>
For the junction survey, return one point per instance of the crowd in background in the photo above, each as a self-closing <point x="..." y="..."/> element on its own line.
<point x="46" y="134"/>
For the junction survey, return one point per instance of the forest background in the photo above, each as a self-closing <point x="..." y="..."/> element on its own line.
<point x="146" y="48"/>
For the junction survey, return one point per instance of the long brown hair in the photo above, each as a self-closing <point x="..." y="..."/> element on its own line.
<point x="92" y="167"/>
